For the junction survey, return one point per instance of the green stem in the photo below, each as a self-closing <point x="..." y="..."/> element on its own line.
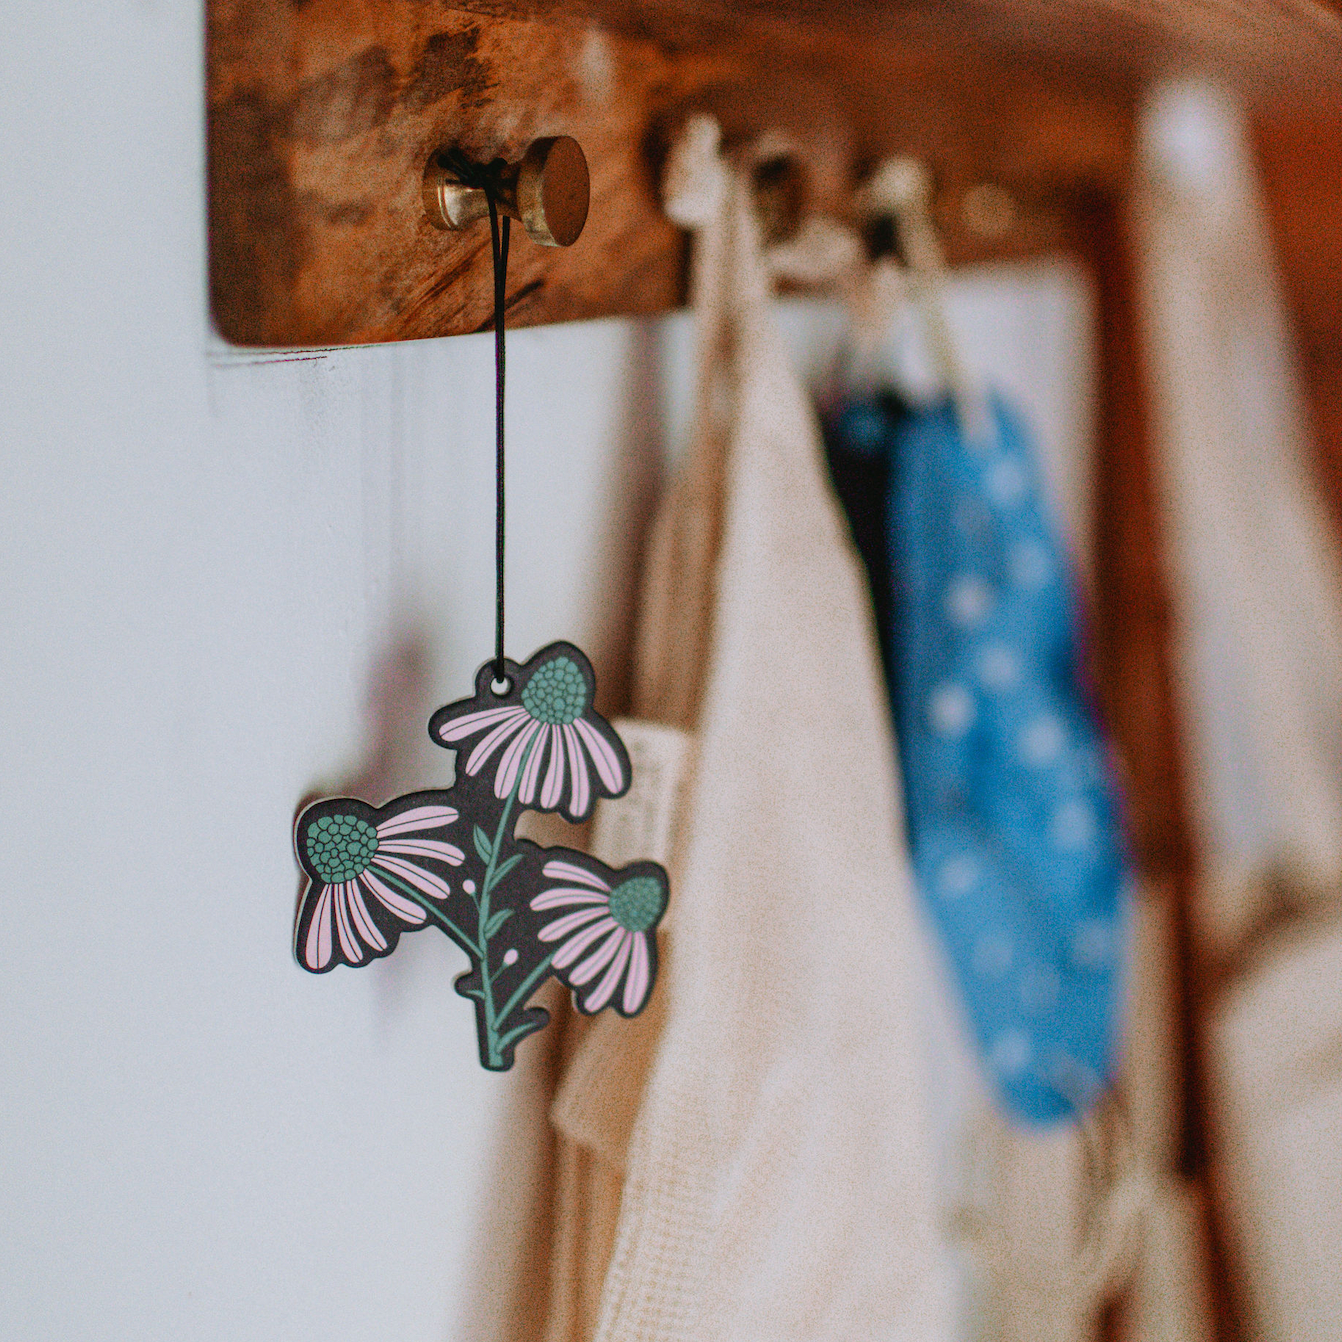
<point x="503" y="825"/>
<point x="428" y="907"/>
<point x="521" y="993"/>
<point x="515" y="1033"/>
<point x="487" y="979"/>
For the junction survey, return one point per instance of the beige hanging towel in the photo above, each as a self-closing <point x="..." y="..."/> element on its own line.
<point x="1258" y="596"/>
<point x="778" y="1179"/>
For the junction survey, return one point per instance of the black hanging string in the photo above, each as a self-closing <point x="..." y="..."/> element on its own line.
<point x="487" y="180"/>
<point x="498" y="232"/>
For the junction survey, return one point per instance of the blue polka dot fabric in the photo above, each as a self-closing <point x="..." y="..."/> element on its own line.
<point x="1012" y="807"/>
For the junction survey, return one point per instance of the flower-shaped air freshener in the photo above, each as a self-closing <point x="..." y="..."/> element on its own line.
<point x="449" y="858"/>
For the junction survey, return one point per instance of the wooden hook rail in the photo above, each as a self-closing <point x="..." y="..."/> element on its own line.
<point x="322" y="117"/>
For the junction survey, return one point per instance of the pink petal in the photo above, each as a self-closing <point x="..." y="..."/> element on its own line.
<point x="505" y="729"/>
<point x="531" y="772"/>
<point x="606" y="760"/>
<point x="363" y="924"/>
<point x="418" y="817"/>
<point x="565" y="871"/>
<point x="592" y="965"/>
<point x="422" y="880"/>
<point x="637" y="984"/>
<point x="570" y="922"/>
<point x="581" y="798"/>
<point x="554" y="779"/>
<point x="396" y="902"/>
<point x="512" y="761"/>
<point x="604" y="990"/>
<point x="566" y="894"/>
<point x="571" y="950"/>
<point x="477" y="722"/>
<point x="444" y="852"/>
<point x="348" y="942"/>
<point x="317" y="948"/>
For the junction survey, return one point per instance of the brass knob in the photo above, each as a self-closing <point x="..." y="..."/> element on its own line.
<point x="548" y="192"/>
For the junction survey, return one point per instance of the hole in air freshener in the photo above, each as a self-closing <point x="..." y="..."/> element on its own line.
<point x="528" y="739"/>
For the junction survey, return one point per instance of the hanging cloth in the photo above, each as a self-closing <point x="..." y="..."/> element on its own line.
<point x="1011" y="807"/>
<point x="1258" y="643"/>
<point x="777" y="1172"/>
<point x="1257" y="576"/>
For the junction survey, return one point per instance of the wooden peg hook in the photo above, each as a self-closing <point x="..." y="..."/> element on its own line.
<point x="548" y="192"/>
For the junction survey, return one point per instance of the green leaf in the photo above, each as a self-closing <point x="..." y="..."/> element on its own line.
<point x="496" y="921"/>
<point x="505" y="867"/>
<point x="482" y="845"/>
<point x="528" y="1026"/>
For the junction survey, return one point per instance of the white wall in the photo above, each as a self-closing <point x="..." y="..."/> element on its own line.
<point x="228" y="583"/>
<point x="210" y="567"/>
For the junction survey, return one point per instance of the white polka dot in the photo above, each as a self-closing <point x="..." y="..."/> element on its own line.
<point x="1073" y="826"/>
<point x="999" y="666"/>
<point x="992" y="955"/>
<point x="1039" y="987"/>
<point x="951" y="709"/>
<point x="1091" y="944"/>
<point x="1006" y="482"/>
<point x="1073" y="1080"/>
<point x="1041" y="741"/>
<point x="957" y="876"/>
<point x="1011" y="1052"/>
<point x="510" y="958"/>
<point x="468" y="887"/>
<point x="968" y="600"/>
<point x="1030" y="564"/>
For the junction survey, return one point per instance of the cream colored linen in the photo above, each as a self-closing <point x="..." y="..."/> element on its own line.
<point x="606" y="1059"/>
<point x="778" y="1175"/>
<point x="1256" y="577"/>
<point x="1259" y="660"/>
<point x="1277" y="1056"/>
<point x="1168" y="1295"/>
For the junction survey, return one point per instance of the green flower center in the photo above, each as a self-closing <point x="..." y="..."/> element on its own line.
<point x="638" y="903"/>
<point x="557" y="693"/>
<point x="340" y="846"/>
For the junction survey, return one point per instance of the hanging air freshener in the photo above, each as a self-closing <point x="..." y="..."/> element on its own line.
<point x="528" y="739"/>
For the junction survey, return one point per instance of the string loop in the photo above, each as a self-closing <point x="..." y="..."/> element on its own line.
<point x="488" y="178"/>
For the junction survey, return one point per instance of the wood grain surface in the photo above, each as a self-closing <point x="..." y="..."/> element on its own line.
<point x="322" y="116"/>
<point x="321" y="119"/>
